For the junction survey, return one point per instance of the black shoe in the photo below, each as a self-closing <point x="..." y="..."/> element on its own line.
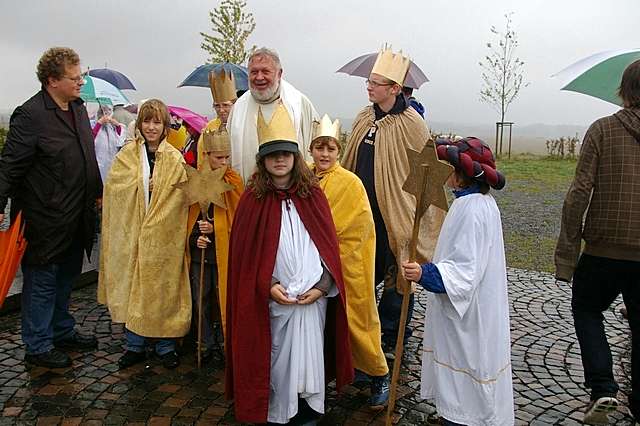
<point x="131" y="358"/>
<point x="624" y="312"/>
<point x="52" y="359"/>
<point x="79" y="342"/>
<point x="379" y="392"/>
<point x="207" y="355"/>
<point x="389" y="351"/>
<point x="170" y="360"/>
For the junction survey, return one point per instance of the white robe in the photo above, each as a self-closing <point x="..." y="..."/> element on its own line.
<point x="242" y="125"/>
<point x="107" y="143"/>
<point x="466" y="363"/>
<point x="297" y="331"/>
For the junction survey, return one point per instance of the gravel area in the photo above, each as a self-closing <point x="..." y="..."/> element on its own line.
<point x="531" y="222"/>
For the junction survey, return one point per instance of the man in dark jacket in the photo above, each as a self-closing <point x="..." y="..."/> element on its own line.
<point x="48" y="168"/>
<point x="607" y="187"/>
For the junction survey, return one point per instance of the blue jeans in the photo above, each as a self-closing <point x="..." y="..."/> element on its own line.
<point x="389" y="310"/>
<point x="390" y="307"/>
<point x="136" y="343"/>
<point x="45" y="301"/>
<point x="597" y="282"/>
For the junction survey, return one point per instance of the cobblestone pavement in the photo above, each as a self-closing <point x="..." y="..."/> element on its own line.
<point x="547" y="373"/>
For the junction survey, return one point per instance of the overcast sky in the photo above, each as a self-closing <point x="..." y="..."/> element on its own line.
<point x="157" y="44"/>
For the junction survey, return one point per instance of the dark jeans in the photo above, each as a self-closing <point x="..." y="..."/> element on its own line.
<point x="138" y="343"/>
<point x="597" y="282"/>
<point x="390" y="307"/>
<point x="45" y="301"/>
<point x="210" y="305"/>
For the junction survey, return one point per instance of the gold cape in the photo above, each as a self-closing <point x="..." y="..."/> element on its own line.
<point x="222" y="220"/>
<point x="144" y="277"/>
<point x="391" y="168"/>
<point x="357" y="242"/>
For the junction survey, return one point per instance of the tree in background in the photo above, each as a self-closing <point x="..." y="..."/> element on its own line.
<point x="3" y="137"/>
<point x="502" y="73"/>
<point x="232" y="26"/>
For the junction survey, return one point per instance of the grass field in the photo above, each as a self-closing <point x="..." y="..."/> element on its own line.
<point x="531" y="208"/>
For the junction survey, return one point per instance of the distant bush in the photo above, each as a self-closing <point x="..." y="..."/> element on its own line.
<point x="3" y="137"/>
<point x="435" y="135"/>
<point x="564" y="147"/>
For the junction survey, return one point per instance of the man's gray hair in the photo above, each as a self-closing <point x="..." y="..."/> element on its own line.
<point x="265" y="51"/>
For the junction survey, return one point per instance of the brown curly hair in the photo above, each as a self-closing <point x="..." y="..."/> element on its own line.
<point x="301" y="177"/>
<point x="53" y="63"/>
<point x="154" y="108"/>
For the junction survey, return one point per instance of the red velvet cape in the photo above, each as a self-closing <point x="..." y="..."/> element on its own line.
<point x="252" y="254"/>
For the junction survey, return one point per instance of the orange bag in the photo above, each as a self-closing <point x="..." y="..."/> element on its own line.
<point x="12" y="247"/>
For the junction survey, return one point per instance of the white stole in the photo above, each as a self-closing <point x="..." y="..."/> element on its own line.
<point x="243" y="120"/>
<point x="146" y="174"/>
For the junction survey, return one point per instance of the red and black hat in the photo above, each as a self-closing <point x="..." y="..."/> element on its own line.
<point x="472" y="157"/>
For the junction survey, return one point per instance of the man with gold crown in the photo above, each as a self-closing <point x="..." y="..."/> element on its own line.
<point x="357" y="239"/>
<point x="267" y="90"/>
<point x="285" y="284"/>
<point x="211" y="233"/>
<point x="376" y="153"/>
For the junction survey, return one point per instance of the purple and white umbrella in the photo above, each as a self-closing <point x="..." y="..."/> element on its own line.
<point x="362" y="66"/>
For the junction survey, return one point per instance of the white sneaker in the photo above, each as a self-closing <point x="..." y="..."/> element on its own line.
<point x="598" y="410"/>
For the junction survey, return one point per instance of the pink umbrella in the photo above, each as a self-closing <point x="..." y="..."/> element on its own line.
<point x="195" y="121"/>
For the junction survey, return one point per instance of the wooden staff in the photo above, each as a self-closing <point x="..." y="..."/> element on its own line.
<point x="204" y="214"/>
<point x="200" y="301"/>
<point x="413" y="248"/>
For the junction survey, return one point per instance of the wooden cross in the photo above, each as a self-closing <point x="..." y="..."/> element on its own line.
<point x="204" y="187"/>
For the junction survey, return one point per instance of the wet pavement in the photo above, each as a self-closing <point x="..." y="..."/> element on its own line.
<point x="547" y="373"/>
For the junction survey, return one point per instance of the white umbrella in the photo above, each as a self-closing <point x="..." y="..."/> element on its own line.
<point x="599" y="75"/>
<point x="101" y="91"/>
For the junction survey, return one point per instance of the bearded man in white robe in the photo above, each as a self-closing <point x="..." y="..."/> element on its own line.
<point x="266" y="89"/>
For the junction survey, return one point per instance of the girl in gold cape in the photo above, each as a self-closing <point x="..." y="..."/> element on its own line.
<point x="143" y="259"/>
<point x="357" y="242"/>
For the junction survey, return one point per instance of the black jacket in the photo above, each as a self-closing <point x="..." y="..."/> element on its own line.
<point x="49" y="170"/>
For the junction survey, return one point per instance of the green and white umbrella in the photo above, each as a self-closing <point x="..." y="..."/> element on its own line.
<point x="101" y="91"/>
<point x="599" y="75"/>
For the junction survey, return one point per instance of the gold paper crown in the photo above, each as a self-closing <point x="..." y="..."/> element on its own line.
<point x="216" y="140"/>
<point x="393" y="66"/>
<point x="325" y="128"/>
<point x="280" y="128"/>
<point x="223" y="86"/>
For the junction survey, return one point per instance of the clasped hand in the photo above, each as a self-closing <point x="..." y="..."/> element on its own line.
<point x="205" y="227"/>
<point x="279" y="294"/>
<point x="411" y="271"/>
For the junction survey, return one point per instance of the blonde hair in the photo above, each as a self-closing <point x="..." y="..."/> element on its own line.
<point x="325" y="140"/>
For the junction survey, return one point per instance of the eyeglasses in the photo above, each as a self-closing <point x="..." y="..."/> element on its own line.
<point x="77" y="80"/>
<point x="376" y="84"/>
